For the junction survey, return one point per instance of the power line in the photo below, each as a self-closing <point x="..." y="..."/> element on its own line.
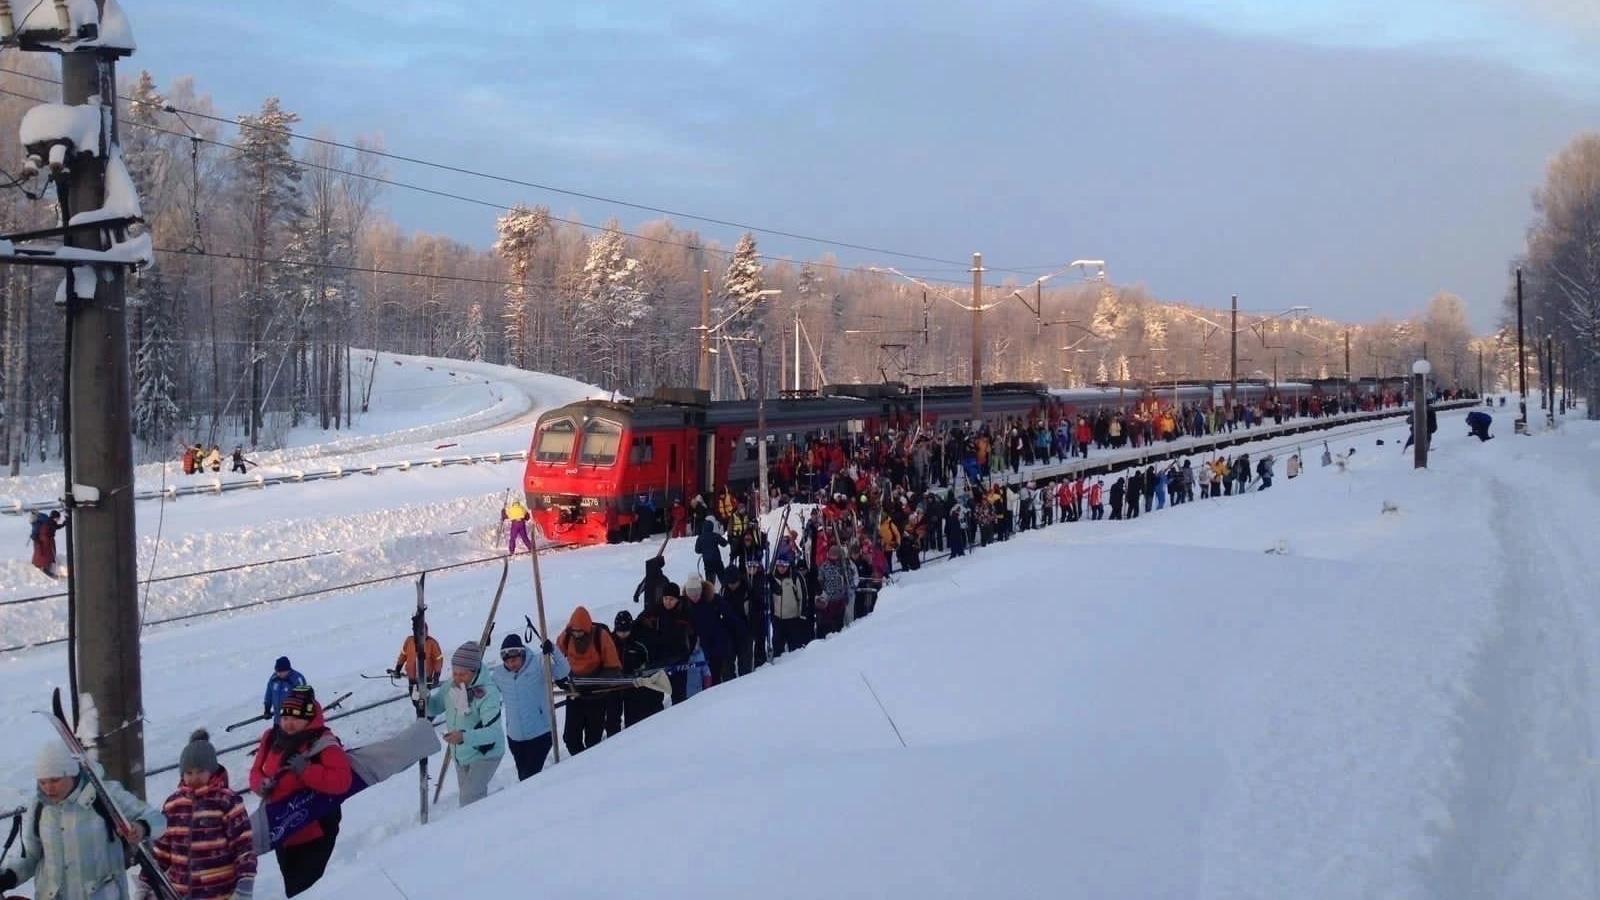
<point x="461" y="170"/>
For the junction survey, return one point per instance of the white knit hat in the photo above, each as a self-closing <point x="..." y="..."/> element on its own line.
<point x="54" y="761"/>
<point x="691" y="587"/>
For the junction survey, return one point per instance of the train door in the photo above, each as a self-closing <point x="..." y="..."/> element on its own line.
<point x="708" y="460"/>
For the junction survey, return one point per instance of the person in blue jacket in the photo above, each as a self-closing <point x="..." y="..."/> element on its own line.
<point x="526" y="697"/>
<point x="284" y="679"/>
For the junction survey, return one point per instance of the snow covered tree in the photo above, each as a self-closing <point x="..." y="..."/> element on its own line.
<point x="1108" y="314"/>
<point x="1101" y="375"/>
<point x="742" y="282"/>
<point x="1564" y="258"/>
<point x="611" y="303"/>
<point x="155" y="407"/>
<point x="475" y="337"/>
<point x="519" y="233"/>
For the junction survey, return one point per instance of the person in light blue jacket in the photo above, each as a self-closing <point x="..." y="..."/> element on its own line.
<point x="526" y="697"/>
<point x="69" y="848"/>
<point x="472" y="712"/>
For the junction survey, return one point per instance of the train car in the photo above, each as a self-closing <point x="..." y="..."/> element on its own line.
<point x="602" y="470"/>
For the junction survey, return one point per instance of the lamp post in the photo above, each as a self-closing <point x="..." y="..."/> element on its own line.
<point x="1521" y="426"/>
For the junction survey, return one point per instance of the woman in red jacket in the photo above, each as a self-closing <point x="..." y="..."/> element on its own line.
<point x="298" y="754"/>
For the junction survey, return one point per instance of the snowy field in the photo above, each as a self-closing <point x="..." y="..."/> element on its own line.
<point x="1389" y="704"/>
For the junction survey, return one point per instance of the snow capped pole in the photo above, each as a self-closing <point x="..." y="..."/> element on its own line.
<point x="75" y="144"/>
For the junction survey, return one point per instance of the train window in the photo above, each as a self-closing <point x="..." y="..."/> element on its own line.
<point x="555" y="442"/>
<point x="642" y="450"/>
<point x="601" y="440"/>
<point x="750" y="448"/>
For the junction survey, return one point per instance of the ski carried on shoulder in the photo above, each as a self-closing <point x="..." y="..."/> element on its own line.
<point x="140" y="850"/>
<point x="483" y="645"/>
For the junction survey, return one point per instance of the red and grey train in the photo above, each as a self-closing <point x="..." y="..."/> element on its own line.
<point x="598" y="468"/>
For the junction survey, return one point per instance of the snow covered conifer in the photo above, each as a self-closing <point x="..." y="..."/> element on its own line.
<point x="611" y="303"/>
<point x="155" y="408"/>
<point x="475" y="336"/>
<point x="743" y="279"/>
<point x="519" y="233"/>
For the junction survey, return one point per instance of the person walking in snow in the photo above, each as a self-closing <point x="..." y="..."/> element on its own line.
<point x="283" y="680"/>
<point x="634" y="648"/>
<point x="406" y="662"/>
<point x="42" y="536"/>
<point x="713" y="625"/>
<point x="837" y="579"/>
<point x="207" y="850"/>
<point x="792" y="611"/>
<point x="590" y="651"/>
<point x="238" y="461"/>
<point x="190" y="459"/>
<point x="709" y="545"/>
<point x="515" y="515"/>
<point x="299" y="753"/>
<point x="525" y="696"/>
<point x="214" y="459"/>
<point x="69" y="849"/>
<point x="472" y="711"/>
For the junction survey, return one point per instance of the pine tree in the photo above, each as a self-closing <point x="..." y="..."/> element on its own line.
<point x="1108" y="314"/>
<point x="1101" y="376"/>
<point x="520" y="232"/>
<point x="611" y="304"/>
<point x="475" y="337"/>
<point x="742" y="282"/>
<point x="155" y="409"/>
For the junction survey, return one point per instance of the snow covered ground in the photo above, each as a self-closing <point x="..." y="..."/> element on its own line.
<point x="1387" y="704"/>
<point x="378" y="524"/>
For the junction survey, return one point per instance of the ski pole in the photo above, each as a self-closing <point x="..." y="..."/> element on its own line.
<point x="237" y="725"/>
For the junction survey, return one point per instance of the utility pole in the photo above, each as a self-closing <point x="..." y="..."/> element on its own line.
<point x="102" y="532"/>
<point x="797" y="345"/>
<point x="977" y="338"/>
<point x="702" y="379"/>
<point x="1522" y="365"/>
<point x="1419" y="413"/>
<point x="761" y="423"/>
<point x="1347" y="356"/>
<point x="1233" y="353"/>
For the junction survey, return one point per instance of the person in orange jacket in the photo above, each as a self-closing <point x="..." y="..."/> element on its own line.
<point x="407" y="661"/>
<point x="297" y="754"/>
<point x="590" y="651"/>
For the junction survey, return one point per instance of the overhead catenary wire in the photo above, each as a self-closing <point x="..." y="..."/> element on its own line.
<point x="504" y="179"/>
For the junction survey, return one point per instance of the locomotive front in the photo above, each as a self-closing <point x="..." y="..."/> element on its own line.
<point x="574" y="469"/>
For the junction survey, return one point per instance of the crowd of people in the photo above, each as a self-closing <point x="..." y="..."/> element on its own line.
<point x="197" y="460"/>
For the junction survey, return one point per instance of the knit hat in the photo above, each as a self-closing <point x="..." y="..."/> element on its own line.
<point x="198" y="755"/>
<point x="512" y="645"/>
<point x="623" y="621"/>
<point x="691" y="586"/>
<point x="300" y="704"/>
<point x="54" y="761"/>
<point x="467" y="656"/>
<point x="282" y="665"/>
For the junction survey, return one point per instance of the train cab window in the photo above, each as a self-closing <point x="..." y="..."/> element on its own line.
<point x="601" y="441"/>
<point x="555" y="442"/>
<point x="642" y="450"/>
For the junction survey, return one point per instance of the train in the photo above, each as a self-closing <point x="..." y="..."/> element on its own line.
<point x="600" y="471"/>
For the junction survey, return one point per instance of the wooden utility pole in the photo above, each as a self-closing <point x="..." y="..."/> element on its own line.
<point x="702" y="379"/>
<point x="977" y="338"/>
<point x="1419" y="413"/>
<point x="102" y="531"/>
<point x="1522" y="365"/>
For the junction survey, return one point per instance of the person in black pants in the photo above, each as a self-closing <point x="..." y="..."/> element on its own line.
<point x="792" y="610"/>
<point x="638" y="703"/>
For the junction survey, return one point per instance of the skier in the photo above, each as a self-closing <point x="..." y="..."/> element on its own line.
<point x="68" y="846"/>
<point x="1294" y="465"/>
<point x="590" y="651"/>
<point x="471" y="707"/>
<point x="238" y="461"/>
<point x="680" y="519"/>
<point x="207" y="847"/>
<point x="1118" y="492"/>
<point x="299" y="753"/>
<point x="406" y="662"/>
<point x="742" y="611"/>
<point x="837" y="579"/>
<point x="1264" y="472"/>
<point x="633" y="646"/>
<point x="191" y="460"/>
<point x="283" y="680"/>
<point x="214" y="459"/>
<point x="671" y="638"/>
<point x="525" y="696"/>
<point x="713" y="625"/>
<point x="655" y="579"/>
<point x="792" y="611"/>
<point x="43" y="537"/>
<point x="516" y="515"/>
<point x="709" y="545"/>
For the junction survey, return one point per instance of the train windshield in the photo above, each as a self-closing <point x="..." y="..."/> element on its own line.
<point x="601" y="439"/>
<point x="555" y="442"/>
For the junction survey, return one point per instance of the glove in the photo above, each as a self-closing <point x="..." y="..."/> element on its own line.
<point x="547" y="648"/>
<point x="8" y="880"/>
<point x="297" y="764"/>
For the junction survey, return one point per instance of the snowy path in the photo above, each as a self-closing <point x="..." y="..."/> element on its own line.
<point x="1526" y="819"/>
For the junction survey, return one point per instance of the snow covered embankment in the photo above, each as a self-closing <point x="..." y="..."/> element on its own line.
<point x="1150" y="708"/>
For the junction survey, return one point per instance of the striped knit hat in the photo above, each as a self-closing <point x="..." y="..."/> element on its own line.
<point x="467" y="656"/>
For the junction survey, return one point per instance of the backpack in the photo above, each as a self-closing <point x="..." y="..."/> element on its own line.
<point x="37" y="526"/>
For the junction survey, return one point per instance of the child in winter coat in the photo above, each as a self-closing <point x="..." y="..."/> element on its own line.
<point x="206" y="851"/>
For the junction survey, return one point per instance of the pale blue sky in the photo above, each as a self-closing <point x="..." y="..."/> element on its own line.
<point x="1356" y="156"/>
